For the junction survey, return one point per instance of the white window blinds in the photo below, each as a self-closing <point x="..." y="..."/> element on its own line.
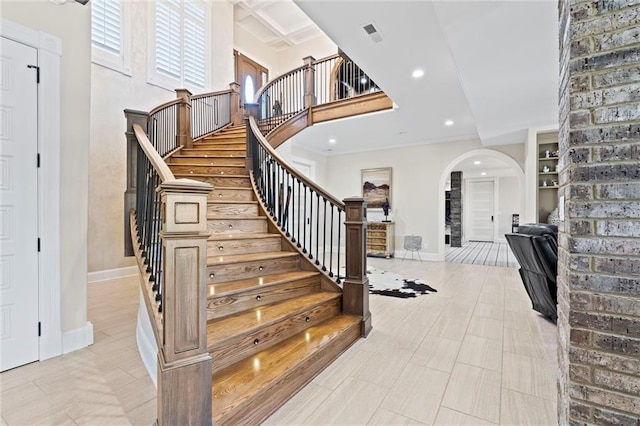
<point x="181" y="40"/>
<point x="106" y="25"/>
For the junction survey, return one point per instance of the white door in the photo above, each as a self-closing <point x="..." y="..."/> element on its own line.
<point x="480" y="211"/>
<point x="18" y="205"/>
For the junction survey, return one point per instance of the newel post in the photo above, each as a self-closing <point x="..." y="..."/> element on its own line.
<point x="141" y="118"/>
<point x="184" y="365"/>
<point x="309" y="82"/>
<point x="237" y="116"/>
<point x="251" y="110"/>
<point x="183" y="129"/>
<point x="355" y="291"/>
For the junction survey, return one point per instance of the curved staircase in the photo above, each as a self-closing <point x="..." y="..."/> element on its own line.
<point x="273" y="321"/>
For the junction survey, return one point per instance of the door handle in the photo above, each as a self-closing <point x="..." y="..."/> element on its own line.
<point x="491" y="218"/>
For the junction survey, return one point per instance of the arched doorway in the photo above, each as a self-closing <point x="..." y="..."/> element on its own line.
<point x="497" y="156"/>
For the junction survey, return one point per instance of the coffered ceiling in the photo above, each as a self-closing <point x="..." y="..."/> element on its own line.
<point x="278" y="23"/>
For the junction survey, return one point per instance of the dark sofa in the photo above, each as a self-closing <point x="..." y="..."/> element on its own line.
<point x="535" y="246"/>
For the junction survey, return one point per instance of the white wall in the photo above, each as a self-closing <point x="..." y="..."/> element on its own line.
<point x="318" y="47"/>
<point x="74" y="139"/>
<point x="508" y="203"/>
<point x="415" y="180"/>
<point x="111" y="93"/>
<point x="250" y="46"/>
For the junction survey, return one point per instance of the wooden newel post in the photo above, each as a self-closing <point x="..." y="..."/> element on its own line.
<point x="250" y="110"/>
<point x="355" y="291"/>
<point x="141" y="118"/>
<point x="309" y="82"/>
<point x="183" y="129"/>
<point x="237" y="116"/>
<point x="184" y="365"/>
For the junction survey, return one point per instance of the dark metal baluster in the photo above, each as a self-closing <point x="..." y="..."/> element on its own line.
<point x="331" y="245"/>
<point x="338" y="255"/>
<point x="317" y="228"/>
<point x="304" y="223"/>
<point x="324" y="236"/>
<point x="298" y="211"/>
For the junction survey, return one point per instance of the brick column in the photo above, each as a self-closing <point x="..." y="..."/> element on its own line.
<point x="456" y="209"/>
<point x="599" y="241"/>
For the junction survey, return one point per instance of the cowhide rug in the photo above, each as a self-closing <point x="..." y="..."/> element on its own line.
<point x="387" y="283"/>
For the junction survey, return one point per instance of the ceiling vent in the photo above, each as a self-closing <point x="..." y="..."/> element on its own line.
<point x="373" y="33"/>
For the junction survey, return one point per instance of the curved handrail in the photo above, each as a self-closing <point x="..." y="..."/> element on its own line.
<point x="275" y="79"/>
<point x="210" y="112"/>
<point x="156" y="160"/>
<point x="204" y="95"/>
<point x="272" y="152"/>
<point x="327" y="58"/>
<point x="165" y="105"/>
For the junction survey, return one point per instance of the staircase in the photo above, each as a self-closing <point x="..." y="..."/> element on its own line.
<point x="273" y="321"/>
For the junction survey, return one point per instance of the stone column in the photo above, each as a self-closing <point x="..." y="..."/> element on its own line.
<point x="133" y="117"/>
<point x="184" y="364"/>
<point x="355" y="291"/>
<point x="456" y="209"/>
<point x="599" y="240"/>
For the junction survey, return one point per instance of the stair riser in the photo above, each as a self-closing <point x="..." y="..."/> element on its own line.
<point x="224" y="181"/>
<point x="214" y="170"/>
<point x="251" y="269"/>
<point x="234" y="226"/>
<point x="208" y="161"/>
<point x="230" y="195"/>
<point x="235" y="138"/>
<point x="249" y="209"/>
<point x="218" y="307"/>
<point x="242" y="346"/>
<point x="227" y="144"/>
<point x="255" y="410"/>
<point x="222" y="148"/>
<point x="242" y="246"/>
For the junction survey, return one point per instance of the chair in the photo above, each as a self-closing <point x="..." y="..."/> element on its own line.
<point x="412" y="243"/>
<point x="535" y="248"/>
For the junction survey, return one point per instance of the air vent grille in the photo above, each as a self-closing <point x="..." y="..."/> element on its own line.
<point x="373" y="32"/>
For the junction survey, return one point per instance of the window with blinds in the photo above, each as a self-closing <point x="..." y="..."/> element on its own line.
<point x="110" y="29"/>
<point x="106" y="25"/>
<point x="181" y="41"/>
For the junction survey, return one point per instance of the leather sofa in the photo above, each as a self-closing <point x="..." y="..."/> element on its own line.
<point x="535" y="247"/>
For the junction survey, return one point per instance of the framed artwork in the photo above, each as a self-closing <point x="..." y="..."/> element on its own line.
<point x="376" y="187"/>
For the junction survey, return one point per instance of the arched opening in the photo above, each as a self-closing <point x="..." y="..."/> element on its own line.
<point x="496" y="165"/>
<point x="249" y="89"/>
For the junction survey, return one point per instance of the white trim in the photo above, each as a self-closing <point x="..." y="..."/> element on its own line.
<point x="110" y="274"/>
<point x="49" y="275"/>
<point x="146" y="341"/>
<point x="445" y="175"/>
<point x="78" y="338"/>
<point x="431" y="257"/>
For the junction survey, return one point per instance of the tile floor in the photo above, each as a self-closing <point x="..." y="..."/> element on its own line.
<point x="473" y="353"/>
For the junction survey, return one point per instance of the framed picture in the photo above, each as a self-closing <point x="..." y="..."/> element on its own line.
<point x="376" y="187"/>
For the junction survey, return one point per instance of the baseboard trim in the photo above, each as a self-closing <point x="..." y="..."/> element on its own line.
<point x="431" y="257"/>
<point x="77" y="338"/>
<point x="110" y="274"/>
<point x="146" y="341"/>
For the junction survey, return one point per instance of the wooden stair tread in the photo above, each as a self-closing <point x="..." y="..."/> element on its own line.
<point x="237" y="384"/>
<point x="232" y="202"/>
<point x="239" y="258"/>
<point x="222" y="217"/>
<point x="190" y="175"/>
<point x="240" y="236"/>
<point x="247" y="322"/>
<point x="233" y="287"/>
<point x="196" y="155"/>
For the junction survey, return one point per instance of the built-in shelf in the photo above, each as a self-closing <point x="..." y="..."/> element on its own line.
<point x="547" y="201"/>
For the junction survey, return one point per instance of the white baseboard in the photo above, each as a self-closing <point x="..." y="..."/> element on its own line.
<point x="431" y="257"/>
<point x="146" y="341"/>
<point x="78" y="338"/>
<point x="110" y="274"/>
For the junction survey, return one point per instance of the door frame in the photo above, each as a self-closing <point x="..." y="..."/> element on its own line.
<point x="49" y="279"/>
<point x="239" y="56"/>
<point x="465" y="202"/>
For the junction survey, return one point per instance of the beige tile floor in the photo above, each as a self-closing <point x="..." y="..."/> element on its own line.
<point x="472" y="354"/>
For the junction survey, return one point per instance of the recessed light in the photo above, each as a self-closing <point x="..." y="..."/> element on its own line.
<point x="483" y="173"/>
<point x="332" y="141"/>
<point x="417" y="73"/>
<point x="476" y="162"/>
<point x="448" y="123"/>
<point x="363" y="80"/>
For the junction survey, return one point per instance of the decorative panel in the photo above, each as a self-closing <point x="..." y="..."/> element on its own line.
<point x="186" y="298"/>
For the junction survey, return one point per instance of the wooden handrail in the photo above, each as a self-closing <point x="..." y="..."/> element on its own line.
<point x="267" y="146"/>
<point x="164" y="105"/>
<point x="270" y="82"/>
<point x="204" y="95"/>
<point x="156" y="160"/>
<point x="328" y="58"/>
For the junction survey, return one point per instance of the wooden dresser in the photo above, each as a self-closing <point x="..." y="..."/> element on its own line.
<point x="380" y="239"/>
